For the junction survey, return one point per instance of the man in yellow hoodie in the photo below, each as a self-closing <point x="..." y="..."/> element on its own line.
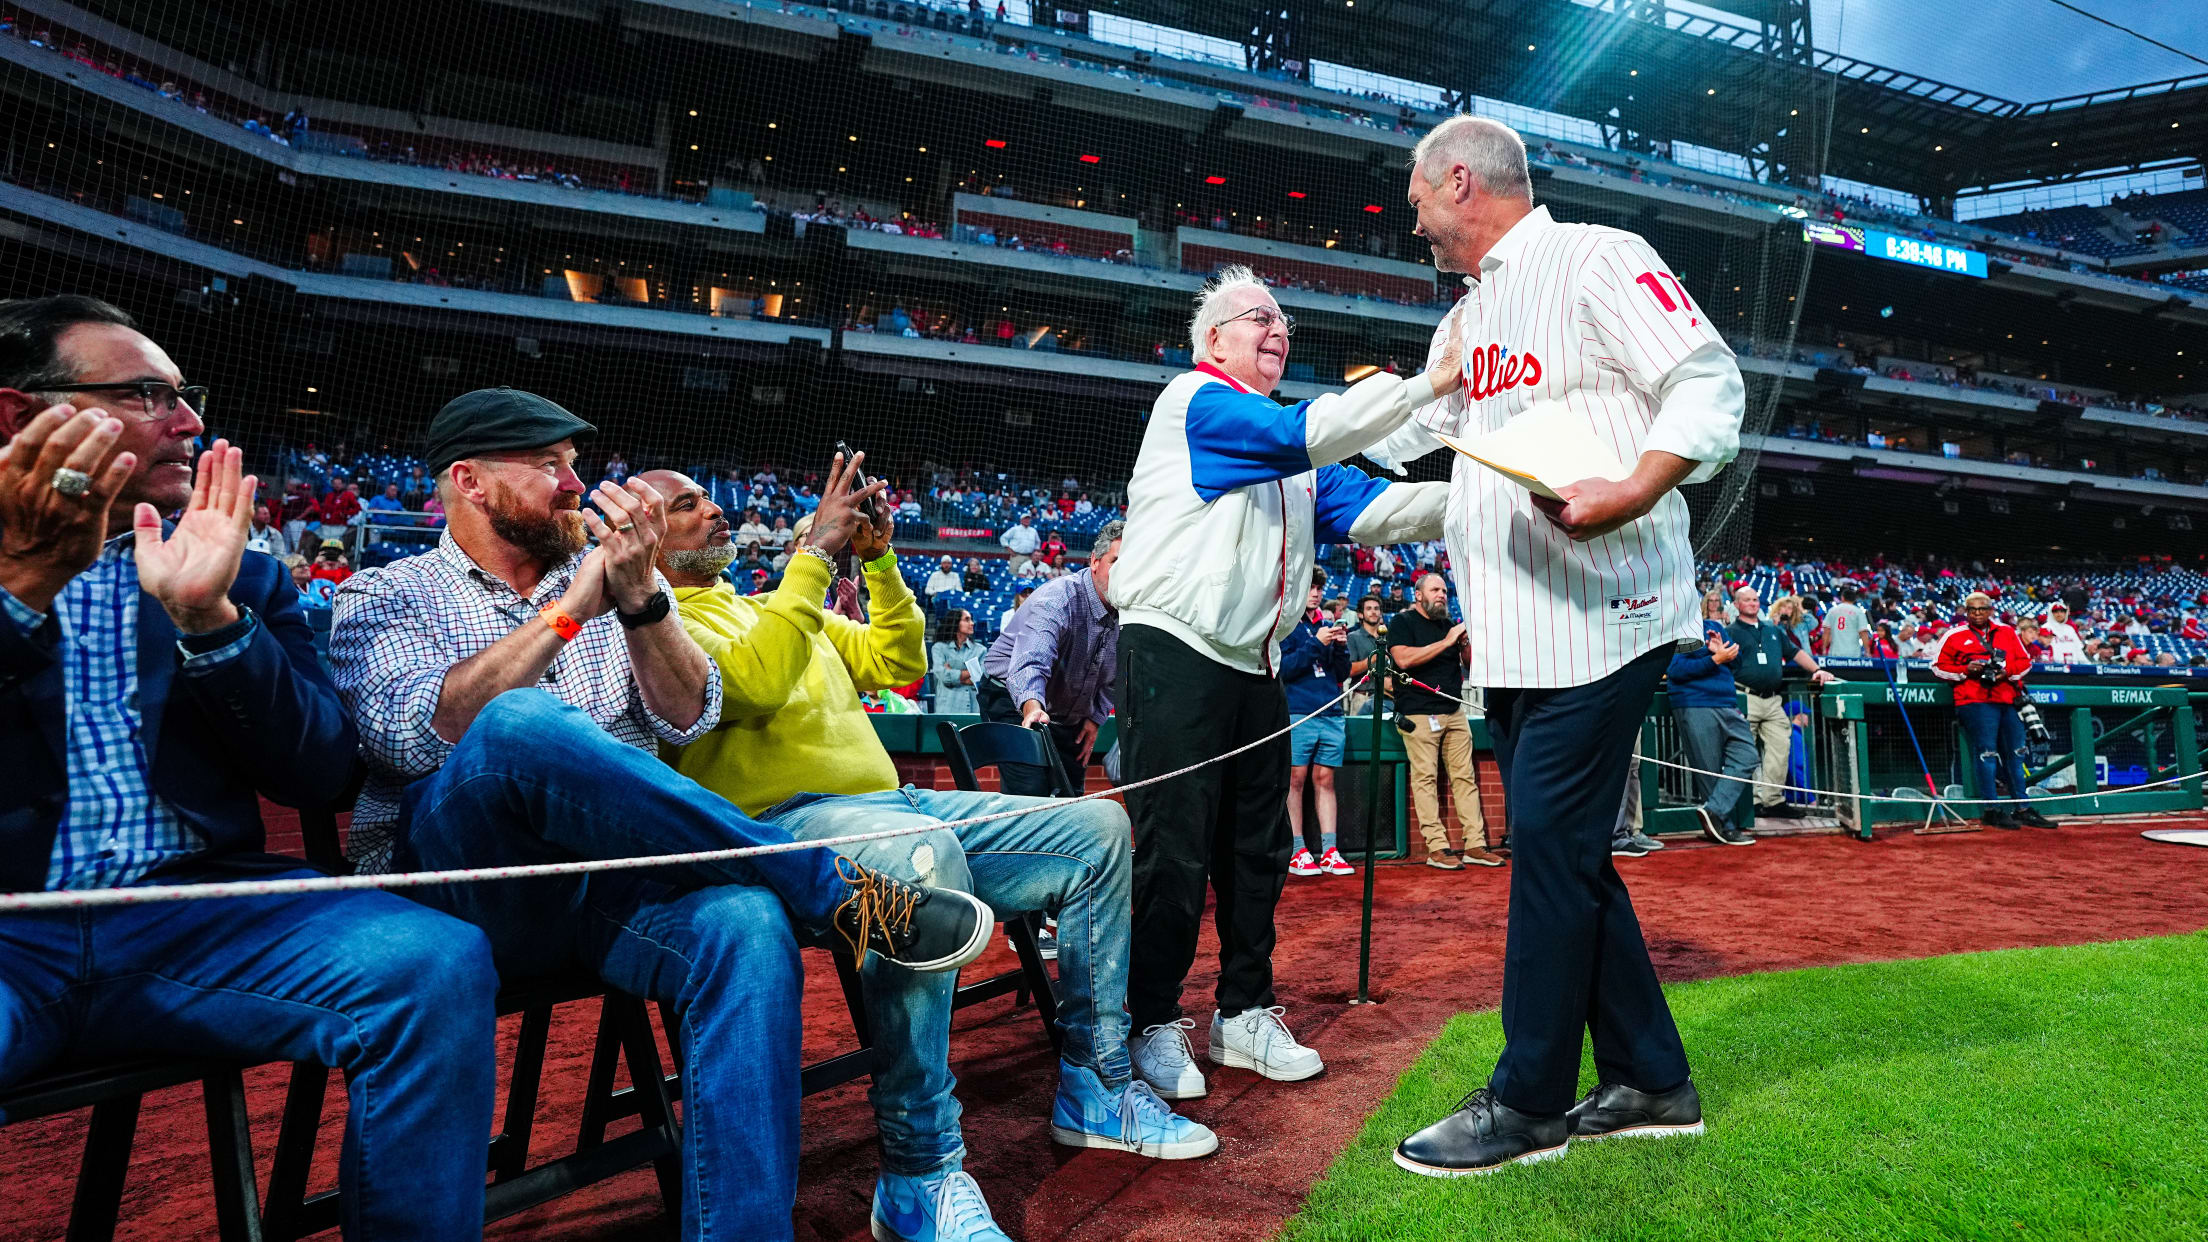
<point x="795" y="749"/>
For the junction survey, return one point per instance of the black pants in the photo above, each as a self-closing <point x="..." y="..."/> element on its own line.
<point x="1226" y="823"/>
<point x="1026" y="779"/>
<point x="1573" y="959"/>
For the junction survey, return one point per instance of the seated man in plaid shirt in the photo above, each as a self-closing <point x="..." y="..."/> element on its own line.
<point x="512" y="690"/>
<point x="795" y="749"/>
<point x="156" y="679"/>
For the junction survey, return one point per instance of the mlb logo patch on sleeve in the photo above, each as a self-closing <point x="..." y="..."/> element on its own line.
<point x="1635" y="609"/>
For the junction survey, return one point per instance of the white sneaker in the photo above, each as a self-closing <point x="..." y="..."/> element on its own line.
<point x="1163" y="1059"/>
<point x="1256" y="1039"/>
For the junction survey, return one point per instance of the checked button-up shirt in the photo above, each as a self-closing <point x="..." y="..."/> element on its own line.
<point x="399" y="628"/>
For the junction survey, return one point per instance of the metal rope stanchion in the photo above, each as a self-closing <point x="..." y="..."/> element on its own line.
<point x="1377" y="674"/>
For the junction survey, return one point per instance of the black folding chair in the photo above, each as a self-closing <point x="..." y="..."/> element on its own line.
<point x="624" y="1032"/>
<point x="985" y="745"/>
<point x="113" y="1092"/>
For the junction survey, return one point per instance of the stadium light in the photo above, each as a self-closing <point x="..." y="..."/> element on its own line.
<point x="1092" y="159"/>
<point x="997" y="143"/>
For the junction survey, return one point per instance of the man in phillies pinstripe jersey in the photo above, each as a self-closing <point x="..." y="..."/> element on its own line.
<point x="1576" y="606"/>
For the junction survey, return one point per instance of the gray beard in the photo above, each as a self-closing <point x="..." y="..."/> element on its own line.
<point x="702" y="562"/>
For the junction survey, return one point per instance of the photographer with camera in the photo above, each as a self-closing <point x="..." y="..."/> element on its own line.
<point x="1987" y="663"/>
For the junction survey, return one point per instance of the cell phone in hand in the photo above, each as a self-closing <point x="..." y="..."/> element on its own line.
<point x="848" y="458"/>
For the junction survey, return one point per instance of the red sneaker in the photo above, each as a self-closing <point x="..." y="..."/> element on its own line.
<point x="1333" y="863"/>
<point x="1303" y="864"/>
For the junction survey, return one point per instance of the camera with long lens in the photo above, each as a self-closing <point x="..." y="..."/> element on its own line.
<point x="1990" y="672"/>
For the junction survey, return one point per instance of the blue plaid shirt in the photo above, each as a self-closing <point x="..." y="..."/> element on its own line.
<point x="117" y="829"/>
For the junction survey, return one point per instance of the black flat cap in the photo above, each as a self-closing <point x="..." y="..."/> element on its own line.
<point x="495" y="420"/>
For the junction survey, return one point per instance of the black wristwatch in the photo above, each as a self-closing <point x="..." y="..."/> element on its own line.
<point x="653" y="610"/>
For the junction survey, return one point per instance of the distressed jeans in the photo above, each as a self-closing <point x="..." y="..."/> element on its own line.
<point x="1071" y="861"/>
<point x="1996" y="733"/>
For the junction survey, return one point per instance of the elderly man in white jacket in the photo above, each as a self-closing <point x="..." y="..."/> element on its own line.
<point x="1230" y="493"/>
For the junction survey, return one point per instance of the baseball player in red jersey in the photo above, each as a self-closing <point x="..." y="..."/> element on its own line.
<point x="1575" y="606"/>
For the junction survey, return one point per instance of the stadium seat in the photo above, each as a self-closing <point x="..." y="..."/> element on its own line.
<point x="967" y="751"/>
<point x="624" y="1032"/>
<point x="113" y="1092"/>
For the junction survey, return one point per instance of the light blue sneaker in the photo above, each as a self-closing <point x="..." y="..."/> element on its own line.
<point x="1132" y="1118"/>
<point x="945" y="1208"/>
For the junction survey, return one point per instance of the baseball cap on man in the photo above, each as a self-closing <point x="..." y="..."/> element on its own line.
<point x="496" y="420"/>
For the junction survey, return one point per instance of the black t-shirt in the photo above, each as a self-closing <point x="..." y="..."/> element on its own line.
<point x="1445" y="672"/>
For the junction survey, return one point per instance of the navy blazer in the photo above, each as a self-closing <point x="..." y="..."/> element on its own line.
<point x="266" y="722"/>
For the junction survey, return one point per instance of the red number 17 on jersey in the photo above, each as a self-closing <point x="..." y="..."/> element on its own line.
<point x="1654" y="283"/>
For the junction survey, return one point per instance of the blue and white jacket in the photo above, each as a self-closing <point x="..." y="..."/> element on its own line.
<point x="1232" y="492"/>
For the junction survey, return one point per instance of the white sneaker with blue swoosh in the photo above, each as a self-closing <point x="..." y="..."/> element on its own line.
<point x="944" y="1208"/>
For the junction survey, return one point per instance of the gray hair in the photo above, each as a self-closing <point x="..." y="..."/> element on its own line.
<point x="1211" y="305"/>
<point x="701" y="561"/>
<point x="1492" y="152"/>
<point x="1112" y="533"/>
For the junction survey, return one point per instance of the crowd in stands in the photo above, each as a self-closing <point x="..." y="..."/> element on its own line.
<point x="2151" y="615"/>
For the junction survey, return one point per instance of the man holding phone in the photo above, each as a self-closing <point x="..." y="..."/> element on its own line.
<point x="1426" y="647"/>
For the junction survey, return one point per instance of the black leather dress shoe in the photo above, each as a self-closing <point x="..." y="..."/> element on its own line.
<point x="1614" y="1110"/>
<point x="2031" y="818"/>
<point x="1483" y="1135"/>
<point x="1995" y="817"/>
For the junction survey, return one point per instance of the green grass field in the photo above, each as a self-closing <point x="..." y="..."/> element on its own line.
<point x="2037" y="1093"/>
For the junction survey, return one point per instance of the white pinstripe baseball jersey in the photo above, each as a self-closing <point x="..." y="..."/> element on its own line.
<point x="1590" y="317"/>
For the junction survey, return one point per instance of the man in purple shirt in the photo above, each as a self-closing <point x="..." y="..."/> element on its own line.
<point x="1053" y="665"/>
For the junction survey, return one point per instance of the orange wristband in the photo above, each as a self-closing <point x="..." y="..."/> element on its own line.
<point x="563" y="625"/>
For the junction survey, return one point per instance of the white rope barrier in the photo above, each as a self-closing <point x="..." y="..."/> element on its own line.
<point x="76" y="899"/>
<point x="1938" y="802"/>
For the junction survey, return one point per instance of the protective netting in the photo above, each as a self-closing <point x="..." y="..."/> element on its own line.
<point x="733" y="235"/>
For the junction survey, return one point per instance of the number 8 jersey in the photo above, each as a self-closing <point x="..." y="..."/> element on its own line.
<point x="1590" y="317"/>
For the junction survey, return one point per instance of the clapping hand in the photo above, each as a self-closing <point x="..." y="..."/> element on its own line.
<point x="1721" y="652"/>
<point x="48" y="537"/>
<point x="190" y="571"/>
<point x="628" y="538"/>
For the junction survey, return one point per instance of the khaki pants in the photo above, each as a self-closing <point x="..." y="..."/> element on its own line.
<point x="1430" y="748"/>
<point x="1775" y="738"/>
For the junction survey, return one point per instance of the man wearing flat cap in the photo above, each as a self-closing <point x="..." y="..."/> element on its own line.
<point x="512" y="690"/>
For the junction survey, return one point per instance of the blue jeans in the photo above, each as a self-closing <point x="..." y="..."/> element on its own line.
<point x="1996" y="732"/>
<point x="397" y="997"/>
<point x="1073" y="861"/>
<point x="535" y="780"/>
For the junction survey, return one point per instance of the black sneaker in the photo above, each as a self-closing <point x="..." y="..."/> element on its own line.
<point x="1781" y="810"/>
<point x="1483" y="1135"/>
<point x="912" y="925"/>
<point x="2031" y="818"/>
<point x="1723" y="834"/>
<point x="1995" y="817"/>
<point x="1614" y="1110"/>
<point x="1627" y="847"/>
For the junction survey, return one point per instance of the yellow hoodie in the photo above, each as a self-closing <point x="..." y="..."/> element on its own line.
<point x="791" y="674"/>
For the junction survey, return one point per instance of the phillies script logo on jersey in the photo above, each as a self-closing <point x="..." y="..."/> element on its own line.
<point x="1494" y="370"/>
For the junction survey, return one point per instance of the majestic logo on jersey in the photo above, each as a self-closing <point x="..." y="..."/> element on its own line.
<point x="1494" y="370"/>
<point x="1635" y="609"/>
